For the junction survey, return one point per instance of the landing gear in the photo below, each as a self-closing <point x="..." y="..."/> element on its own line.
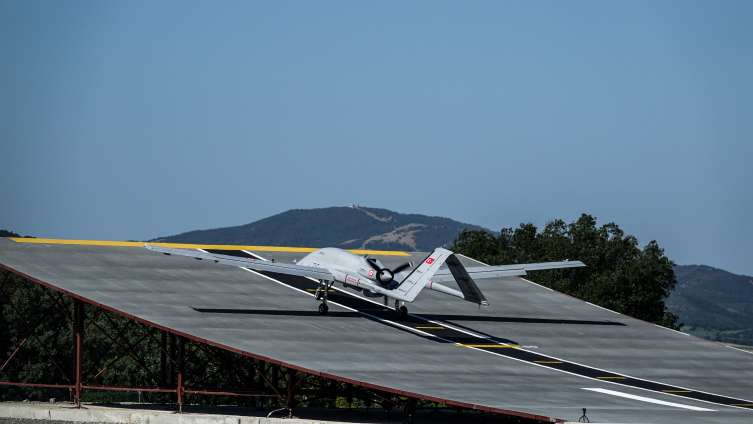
<point x="321" y="294"/>
<point x="402" y="311"/>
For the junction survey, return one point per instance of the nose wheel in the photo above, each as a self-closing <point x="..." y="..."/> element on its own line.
<point x="402" y="311"/>
<point x="323" y="309"/>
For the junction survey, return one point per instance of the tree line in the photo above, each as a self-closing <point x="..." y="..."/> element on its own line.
<point x="619" y="275"/>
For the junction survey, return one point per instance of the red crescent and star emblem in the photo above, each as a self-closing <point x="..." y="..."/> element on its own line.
<point x="430" y="261"/>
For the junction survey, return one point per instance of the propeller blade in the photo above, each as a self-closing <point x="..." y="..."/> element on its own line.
<point x="401" y="267"/>
<point x="373" y="264"/>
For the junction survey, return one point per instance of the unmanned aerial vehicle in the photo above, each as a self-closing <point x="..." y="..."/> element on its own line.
<point x="368" y="275"/>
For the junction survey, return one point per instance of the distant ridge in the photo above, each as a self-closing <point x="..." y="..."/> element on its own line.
<point x="353" y="227"/>
<point x="714" y="304"/>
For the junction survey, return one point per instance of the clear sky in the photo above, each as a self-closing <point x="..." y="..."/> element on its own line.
<point x="132" y="120"/>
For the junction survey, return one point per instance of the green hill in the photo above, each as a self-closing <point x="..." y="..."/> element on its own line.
<point x="714" y="304"/>
<point x="345" y="227"/>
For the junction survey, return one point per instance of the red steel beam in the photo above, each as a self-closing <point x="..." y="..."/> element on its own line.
<point x="181" y="371"/>
<point x="290" y="400"/>
<point x="33" y="333"/>
<point x="13" y="354"/>
<point x="225" y="393"/>
<point x="78" y="312"/>
<point x="130" y="389"/>
<point x="58" y="305"/>
<point x="130" y="355"/>
<point x="44" y="318"/>
<point x="60" y="386"/>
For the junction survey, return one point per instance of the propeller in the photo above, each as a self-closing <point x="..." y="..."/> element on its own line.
<point x="385" y="275"/>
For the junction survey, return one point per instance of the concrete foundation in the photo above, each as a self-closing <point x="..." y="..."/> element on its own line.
<point x="156" y="414"/>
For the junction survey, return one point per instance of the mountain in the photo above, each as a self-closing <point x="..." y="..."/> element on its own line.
<point x="714" y="304"/>
<point x="351" y="227"/>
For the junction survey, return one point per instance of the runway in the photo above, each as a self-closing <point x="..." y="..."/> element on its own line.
<point x="532" y="350"/>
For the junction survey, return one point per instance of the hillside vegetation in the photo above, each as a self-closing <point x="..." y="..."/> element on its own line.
<point x="618" y="274"/>
<point x="344" y="227"/>
<point x="714" y="304"/>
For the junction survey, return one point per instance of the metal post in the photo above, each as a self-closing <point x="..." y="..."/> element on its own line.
<point x="78" y="326"/>
<point x="276" y="379"/>
<point x="74" y="349"/>
<point x="181" y="371"/>
<point x="255" y="364"/>
<point x="163" y="362"/>
<point x="290" y="400"/>
<point x="171" y="366"/>
<point x="349" y="397"/>
<point x="252" y="376"/>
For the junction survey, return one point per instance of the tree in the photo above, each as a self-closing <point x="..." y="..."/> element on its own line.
<point x="619" y="275"/>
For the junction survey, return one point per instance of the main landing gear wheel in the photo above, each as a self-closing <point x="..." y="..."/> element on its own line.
<point x="402" y="312"/>
<point x="323" y="309"/>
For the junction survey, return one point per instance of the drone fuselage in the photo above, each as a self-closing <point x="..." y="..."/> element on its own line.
<point x="351" y="270"/>
<point x="354" y="271"/>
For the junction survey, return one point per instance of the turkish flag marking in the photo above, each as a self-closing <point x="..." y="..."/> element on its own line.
<point x="430" y="261"/>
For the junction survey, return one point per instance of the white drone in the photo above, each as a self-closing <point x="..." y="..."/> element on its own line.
<point x="368" y="275"/>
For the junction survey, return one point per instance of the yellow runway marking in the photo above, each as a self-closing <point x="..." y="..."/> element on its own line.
<point x="328" y="291"/>
<point x="432" y="328"/>
<point x="199" y="246"/>
<point x="616" y="378"/>
<point x="548" y="362"/>
<point x="486" y="345"/>
<point x="677" y="391"/>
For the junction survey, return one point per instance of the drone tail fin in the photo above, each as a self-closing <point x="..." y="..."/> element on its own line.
<point x="421" y="275"/>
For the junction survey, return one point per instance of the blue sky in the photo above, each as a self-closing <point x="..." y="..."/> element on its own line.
<point x="132" y="120"/>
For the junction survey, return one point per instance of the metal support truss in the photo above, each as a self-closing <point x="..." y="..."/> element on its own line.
<point x="179" y="367"/>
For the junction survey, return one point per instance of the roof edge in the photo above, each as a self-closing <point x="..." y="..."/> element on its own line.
<point x="198" y="246"/>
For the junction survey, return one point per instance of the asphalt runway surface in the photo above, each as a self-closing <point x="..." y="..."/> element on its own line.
<point x="532" y="350"/>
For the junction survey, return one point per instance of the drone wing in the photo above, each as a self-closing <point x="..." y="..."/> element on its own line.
<point x="257" y="264"/>
<point x="478" y="272"/>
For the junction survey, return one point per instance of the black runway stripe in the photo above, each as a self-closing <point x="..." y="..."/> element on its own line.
<point x="443" y="333"/>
